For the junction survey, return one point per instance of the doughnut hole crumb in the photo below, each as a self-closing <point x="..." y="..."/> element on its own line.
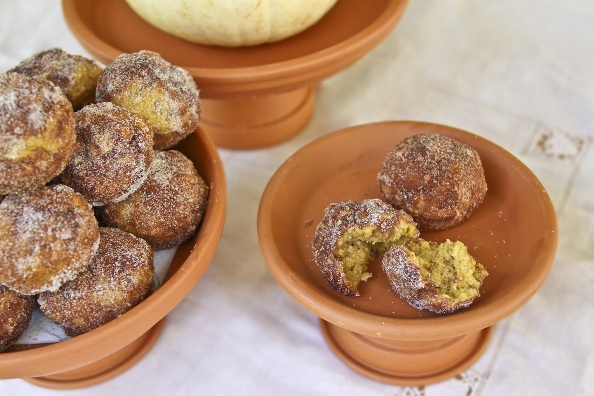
<point x="442" y="278"/>
<point x="351" y="234"/>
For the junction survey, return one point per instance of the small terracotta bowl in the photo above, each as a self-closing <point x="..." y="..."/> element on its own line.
<point x="105" y="352"/>
<point x="251" y="96"/>
<point x="513" y="233"/>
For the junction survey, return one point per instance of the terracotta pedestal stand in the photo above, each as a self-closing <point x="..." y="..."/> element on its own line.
<point x="378" y="334"/>
<point x="103" y="369"/>
<point x="405" y="362"/>
<point x="257" y="121"/>
<point x="107" y="351"/>
<point x="252" y="96"/>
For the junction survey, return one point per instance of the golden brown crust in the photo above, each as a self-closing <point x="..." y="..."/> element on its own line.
<point x="415" y="285"/>
<point x="118" y="278"/>
<point x="438" y="180"/>
<point x="16" y="311"/>
<point x="112" y="154"/>
<point x="74" y="74"/>
<point x="47" y="237"/>
<point x="36" y="132"/>
<point x="167" y="209"/>
<point x="341" y="217"/>
<point x="165" y="95"/>
<point x="404" y="275"/>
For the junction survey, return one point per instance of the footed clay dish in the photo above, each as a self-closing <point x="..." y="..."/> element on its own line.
<point x="251" y="96"/>
<point x="513" y="233"/>
<point x="112" y="348"/>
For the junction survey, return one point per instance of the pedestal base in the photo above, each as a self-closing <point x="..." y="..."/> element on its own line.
<point x="405" y="363"/>
<point x="103" y="369"/>
<point x="257" y="121"/>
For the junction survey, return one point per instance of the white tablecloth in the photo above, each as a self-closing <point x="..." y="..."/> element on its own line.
<point x="517" y="72"/>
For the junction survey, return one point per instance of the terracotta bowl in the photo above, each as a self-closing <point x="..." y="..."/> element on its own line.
<point x="252" y="96"/>
<point x="513" y="233"/>
<point x="107" y="351"/>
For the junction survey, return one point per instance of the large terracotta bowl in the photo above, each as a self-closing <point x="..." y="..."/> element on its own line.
<point x="107" y="351"/>
<point x="513" y="233"/>
<point x="252" y="96"/>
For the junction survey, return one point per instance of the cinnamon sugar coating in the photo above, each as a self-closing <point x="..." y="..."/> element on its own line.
<point x="16" y="311"/>
<point x="47" y="237"/>
<point x="167" y="208"/>
<point x="112" y="154"/>
<point x="36" y="132"/>
<point x="74" y="74"/>
<point x="165" y="95"/>
<point x="351" y="234"/>
<point x="442" y="278"/>
<point x="118" y="279"/>
<point x="438" y="180"/>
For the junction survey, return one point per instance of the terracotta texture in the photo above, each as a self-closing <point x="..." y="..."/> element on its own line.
<point x="105" y="352"/>
<point x="252" y="96"/>
<point x="513" y="233"/>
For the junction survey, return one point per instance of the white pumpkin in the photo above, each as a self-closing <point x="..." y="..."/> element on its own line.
<point x="232" y="23"/>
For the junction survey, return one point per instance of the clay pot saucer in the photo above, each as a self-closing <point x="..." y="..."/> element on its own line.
<point x="513" y="233"/>
<point x="105" y="352"/>
<point x="252" y="96"/>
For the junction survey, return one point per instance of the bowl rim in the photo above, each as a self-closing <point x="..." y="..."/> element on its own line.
<point x="333" y="57"/>
<point x="81" y="350"/>
<point x="333" y="311"/>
